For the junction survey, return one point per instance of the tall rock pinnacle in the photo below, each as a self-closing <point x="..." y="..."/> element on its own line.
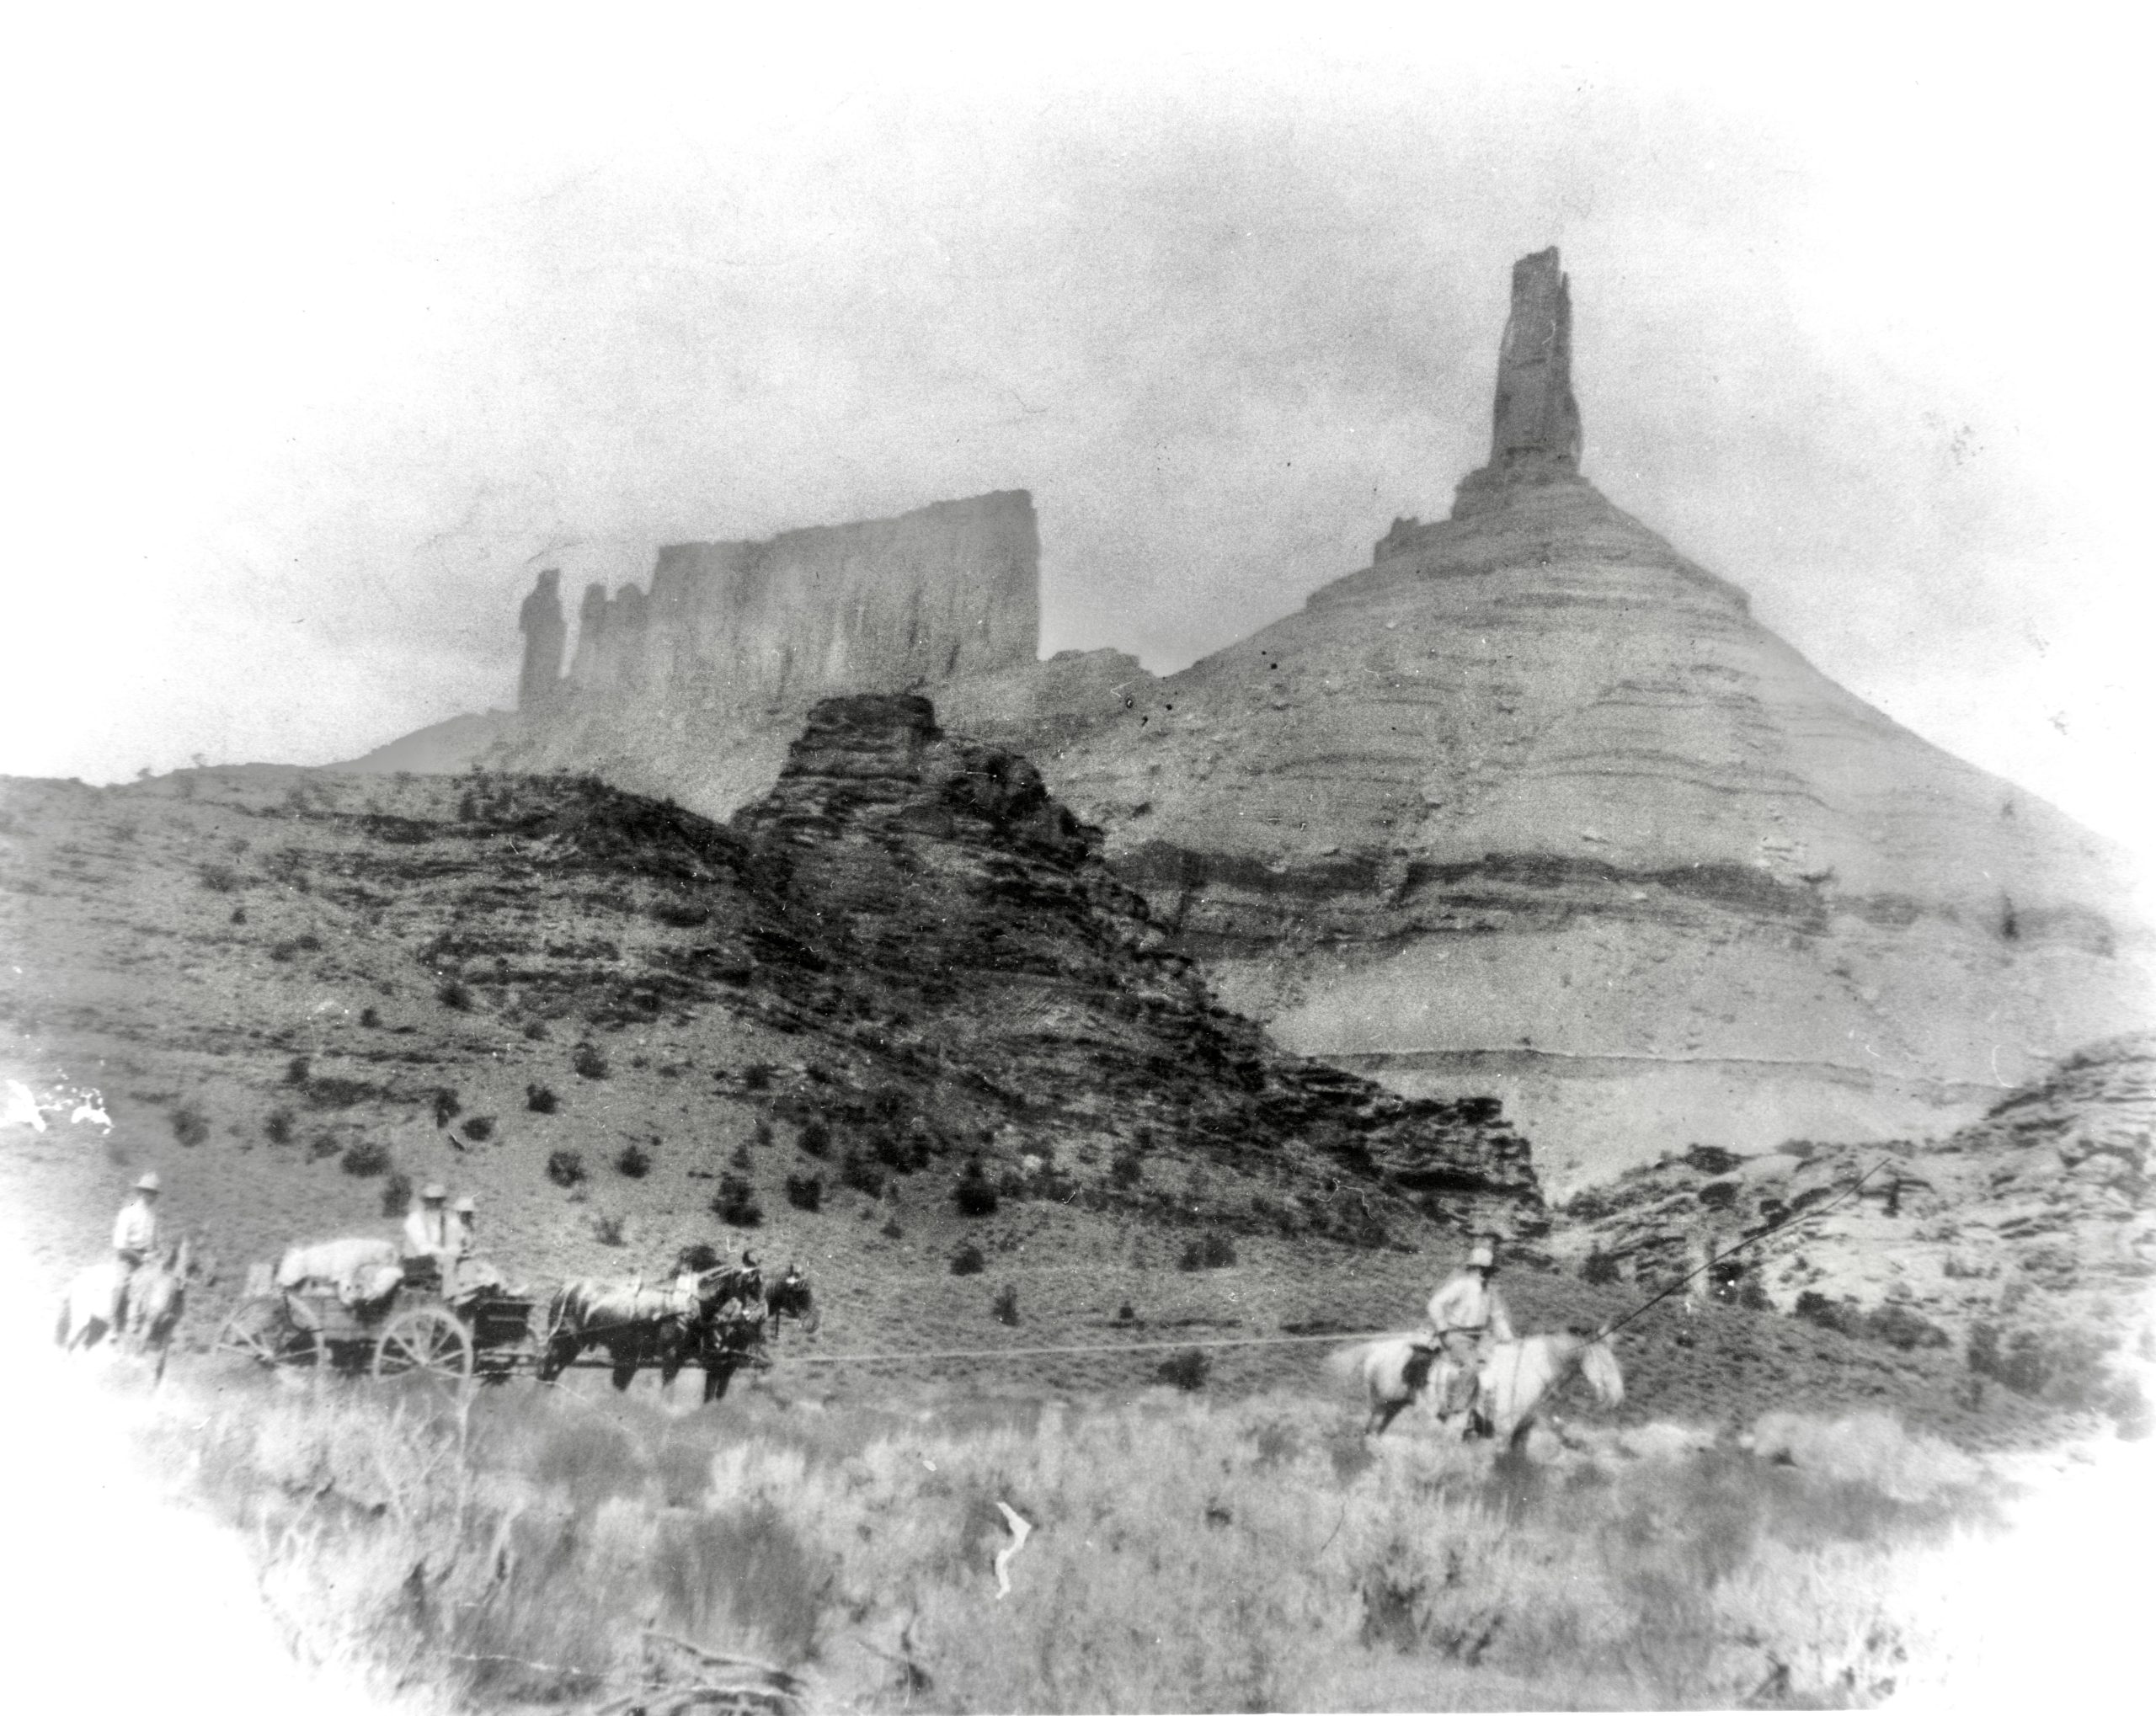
<point x="544" y="632"/>
<point x="1536" y="428"/>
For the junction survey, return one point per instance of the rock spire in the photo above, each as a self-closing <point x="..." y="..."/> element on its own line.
<point x="545" y="632"/>
<point x="1535" y="421"/>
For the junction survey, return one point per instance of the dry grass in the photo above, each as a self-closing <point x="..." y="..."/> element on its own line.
<point x="1187" y="1554"/>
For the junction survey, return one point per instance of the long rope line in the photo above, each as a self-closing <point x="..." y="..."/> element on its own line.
<point x="1100" y="1346"/>
<point x="1344" y="1335"/>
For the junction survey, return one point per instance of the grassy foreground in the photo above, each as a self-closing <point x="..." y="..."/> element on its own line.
<point x="1188" y="1555"/>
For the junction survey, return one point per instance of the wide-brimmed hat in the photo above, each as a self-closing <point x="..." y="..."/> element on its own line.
<point x="465" y="1206"/>
<point x="149" y="1182"/>
<point x="1483" y="1256"/>
<point x="434" y="1192"/>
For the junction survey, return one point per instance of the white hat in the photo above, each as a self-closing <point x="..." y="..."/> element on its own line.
<point x="465" y="1206"/>
<point x="149" y="1182"/>
<point x="434" y="1192"/>
<point x="1482" y="1256"/>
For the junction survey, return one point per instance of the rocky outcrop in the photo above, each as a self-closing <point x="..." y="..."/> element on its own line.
<point x="945" y="864"/>
<point x="2027" y="1239"/>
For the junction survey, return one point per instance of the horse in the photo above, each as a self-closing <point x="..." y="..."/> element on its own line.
<point x="86" y="1308"/>
<point x="156" y="1299"/>
<point x="734" y="1335"/>
<point x="638" y="1325"/>
<point x="1394" y="1372"/>
<point x="1517" y="1376"/>
<point x="157" y="1295"/>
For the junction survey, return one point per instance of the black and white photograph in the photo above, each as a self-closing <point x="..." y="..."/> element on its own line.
<point x="1179" y="860"/>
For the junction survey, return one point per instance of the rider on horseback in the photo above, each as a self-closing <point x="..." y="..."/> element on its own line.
<point x="134" y="1238"/>
<point x="1467" y="1318"/>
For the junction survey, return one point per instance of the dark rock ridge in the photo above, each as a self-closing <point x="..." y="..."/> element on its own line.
<point x="943" y="866"/>
<point x="2026" y="1240"/>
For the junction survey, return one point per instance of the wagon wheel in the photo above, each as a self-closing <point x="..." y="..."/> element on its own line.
<point x="425" y="1341"/>
<point x="259" y="1329"/>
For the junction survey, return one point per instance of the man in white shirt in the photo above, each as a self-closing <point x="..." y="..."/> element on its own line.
<point x="1467" y="1318"/>
<point x="134" y="1238"/>
<point x="429" y="1233"/>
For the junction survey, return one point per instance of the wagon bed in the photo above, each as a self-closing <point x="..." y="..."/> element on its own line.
<point x="483" y="1332"/>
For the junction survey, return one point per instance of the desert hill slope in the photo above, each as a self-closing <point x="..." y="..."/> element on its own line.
<point x="627" y="1028"/>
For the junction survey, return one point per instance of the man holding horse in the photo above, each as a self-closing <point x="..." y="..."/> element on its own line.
<point x="134" y="1238"/>
<point x="1468" y="1316"/>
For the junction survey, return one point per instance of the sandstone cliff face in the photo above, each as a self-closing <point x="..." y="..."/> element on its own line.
<point x="693" y="688"/>
<point x="880" y="605"/>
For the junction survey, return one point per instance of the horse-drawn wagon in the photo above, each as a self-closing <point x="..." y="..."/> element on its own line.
<point x="397" y="1321"/>
<point x="411" y="1328"/>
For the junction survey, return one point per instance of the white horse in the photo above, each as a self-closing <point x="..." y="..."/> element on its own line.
<point x="156" y="1296"/>
<point x="1517" y="1376"/>
<point x="86" y="1308"/>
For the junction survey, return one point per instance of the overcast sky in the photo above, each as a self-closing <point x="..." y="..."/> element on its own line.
<point x="321" y="345"/>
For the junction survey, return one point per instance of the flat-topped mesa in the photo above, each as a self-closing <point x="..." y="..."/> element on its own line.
<point x="1535" y="421"/>
<point x="884" y="605"/>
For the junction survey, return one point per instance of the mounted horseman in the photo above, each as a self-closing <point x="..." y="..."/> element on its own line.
<point x="1468" y="1318"/>
<point x="134" y="1239"/>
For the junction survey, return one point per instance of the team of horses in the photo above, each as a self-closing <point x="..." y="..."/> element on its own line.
<point x="714" y="1318"/>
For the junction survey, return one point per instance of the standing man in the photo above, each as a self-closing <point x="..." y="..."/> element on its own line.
<point x="134" y="1238"/>
<point x="1467" y="1318"/>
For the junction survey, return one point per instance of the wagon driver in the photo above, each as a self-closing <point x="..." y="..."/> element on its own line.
<point x="134" y="1238"/>
<point x="1467" y="1318"/>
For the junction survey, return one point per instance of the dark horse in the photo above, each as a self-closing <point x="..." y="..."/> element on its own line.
<point x="713" y="1318"/>
<point x="734" y="1335"/>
